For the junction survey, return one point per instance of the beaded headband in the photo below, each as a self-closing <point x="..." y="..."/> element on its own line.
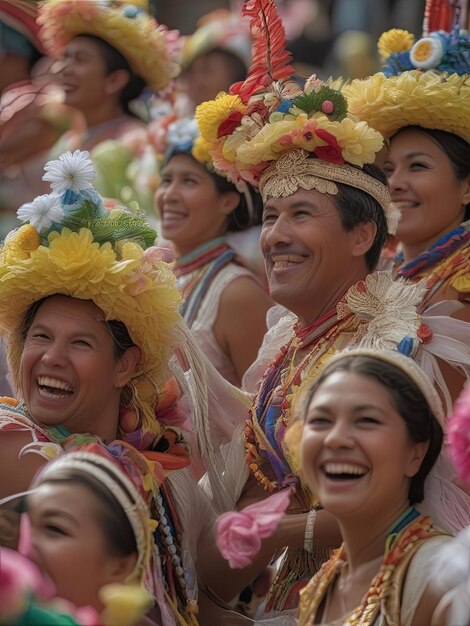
<point x="117" y="483"/>
<point x="406" y="365"/>
<point x="295" y="169"/>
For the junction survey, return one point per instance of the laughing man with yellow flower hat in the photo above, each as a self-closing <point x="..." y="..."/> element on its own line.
<point x="326" y="212"/>
<point x="419" y="102"/>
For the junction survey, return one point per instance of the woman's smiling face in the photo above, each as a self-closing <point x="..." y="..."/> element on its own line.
<point x="356" y="452"/>
<point x="423" y="185"/>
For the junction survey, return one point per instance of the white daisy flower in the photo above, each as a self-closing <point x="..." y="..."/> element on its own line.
<point x="41" y="212"/>
<point x="427" y="53"/>
<point x="70" y="172"/>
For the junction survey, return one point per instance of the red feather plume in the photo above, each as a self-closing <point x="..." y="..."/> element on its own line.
<point x="271" y="60"/>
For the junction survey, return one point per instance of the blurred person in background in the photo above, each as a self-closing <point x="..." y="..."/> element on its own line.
<point x="32" y="116"/>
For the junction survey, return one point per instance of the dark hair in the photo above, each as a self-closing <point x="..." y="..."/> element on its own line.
<point x="241" y="218"/>
<point x="356" y="207"/>
<point x="456" y="149"/>
<point x="117" y="329"/>
<point x="409" y="402"/>
<point x="117" y="530"/>
<point x="114" y="61"/>
<point x="235" y="69"/>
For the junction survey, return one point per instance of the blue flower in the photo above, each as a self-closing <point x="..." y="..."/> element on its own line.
<point x="284" y="106"/>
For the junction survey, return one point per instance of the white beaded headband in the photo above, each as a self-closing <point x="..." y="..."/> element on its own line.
<point x="119" y="485"/>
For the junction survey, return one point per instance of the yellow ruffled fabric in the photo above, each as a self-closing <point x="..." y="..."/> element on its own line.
<point x="427" y="99"/>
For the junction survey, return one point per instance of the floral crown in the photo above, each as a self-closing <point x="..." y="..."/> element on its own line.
<point x="424" y="83"/>
<point x="150" y="49"/>
<point x="71" y="244"/>
<point x="279" y="135"/>
<point x="170" y="134"/>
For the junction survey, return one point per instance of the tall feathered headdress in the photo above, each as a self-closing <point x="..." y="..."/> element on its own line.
<point x="281" y="133"/>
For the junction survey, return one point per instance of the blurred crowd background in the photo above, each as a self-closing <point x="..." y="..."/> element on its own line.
<point x="326" y="36"/>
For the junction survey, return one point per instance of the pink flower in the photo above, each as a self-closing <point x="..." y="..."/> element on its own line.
<point x="459" y="435"/>
<point x="239" y="534"/>
<point x="19" y="578"/>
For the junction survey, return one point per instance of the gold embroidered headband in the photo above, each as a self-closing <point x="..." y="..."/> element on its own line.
<point x="294" y="170"/>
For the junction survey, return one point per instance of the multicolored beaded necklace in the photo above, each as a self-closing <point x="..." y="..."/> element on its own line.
<point x="406" y="535"/>
<point x="200" y="267"/>
<point x="445" y="259"/>
<point x="270" y="413"/>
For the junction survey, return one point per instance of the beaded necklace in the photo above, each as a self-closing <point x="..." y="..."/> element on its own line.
<point x="404" y="538"/>
<point x="270" y="413"/>
<point x="197" y="271"/>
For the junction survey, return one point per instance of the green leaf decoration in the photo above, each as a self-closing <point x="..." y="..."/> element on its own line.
<point x="127" y="227"/>
<point x="117" y="225"/>
<point x="312" y="102"/>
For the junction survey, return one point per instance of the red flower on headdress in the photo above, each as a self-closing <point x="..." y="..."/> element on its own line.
<point x="230" y="124"/>
<point x="332" y="151"/>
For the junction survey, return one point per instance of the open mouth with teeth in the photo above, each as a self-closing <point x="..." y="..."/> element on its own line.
<point x="282" y="261"/>
<point x="344" y="471"/>
<point x="53" y="387"/>
<point x="405" y="204"/>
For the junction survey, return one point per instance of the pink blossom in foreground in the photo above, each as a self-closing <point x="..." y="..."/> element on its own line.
<point x="239" y="533"/>
<point x="459" y="435"/>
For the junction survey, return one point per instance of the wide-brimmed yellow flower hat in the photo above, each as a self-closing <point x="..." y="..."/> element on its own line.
<point x="150" y="48"/>
<point x="70" y="244"/>
<point x="424" y="83"/>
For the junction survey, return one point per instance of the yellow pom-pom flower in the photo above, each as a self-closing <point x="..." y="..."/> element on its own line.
<point x="395" y="40"/>
<point x="20" y="243"/>
<point x="210" y="115"/>
<point x="201" y="149"/>
<point x="27" y="238"/>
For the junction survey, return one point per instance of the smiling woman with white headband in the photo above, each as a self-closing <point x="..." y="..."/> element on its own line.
<point x="372" y="432"/>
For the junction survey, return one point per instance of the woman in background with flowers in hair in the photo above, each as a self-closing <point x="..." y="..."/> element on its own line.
<point x="224" y="304"/>
<point x="109" y="53"/>
<point x="372" y="433"/>
<point x="419" y="102"/>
